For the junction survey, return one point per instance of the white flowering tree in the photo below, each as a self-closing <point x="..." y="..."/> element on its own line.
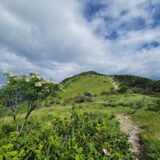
<point x="32" y="89"/>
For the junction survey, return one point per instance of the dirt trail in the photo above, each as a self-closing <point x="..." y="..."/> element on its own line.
<point x="129" y="128"/>
<point x="116" y="87"/>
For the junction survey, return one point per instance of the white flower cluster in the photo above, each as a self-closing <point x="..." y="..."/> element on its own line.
<point x="38" y="84"/>
<point x="27" y="79"/>
<point x="34" y="75"/>
<point x="11" y="75"/>
<point x="38" y="77"/>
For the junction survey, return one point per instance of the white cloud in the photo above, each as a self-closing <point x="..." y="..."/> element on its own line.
<point x="56" y="40"/>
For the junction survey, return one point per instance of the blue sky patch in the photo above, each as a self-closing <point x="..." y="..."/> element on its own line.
<point x="133" y="24"/>
<point x="150" y="45"/>
<point x="91" y="8"/>
<point x="112" y="36"/>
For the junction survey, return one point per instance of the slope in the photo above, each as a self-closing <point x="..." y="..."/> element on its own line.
<point x="91" y="82"/>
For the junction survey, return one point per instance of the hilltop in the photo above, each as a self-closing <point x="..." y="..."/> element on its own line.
<point x="86" y="82"/>
<point x="92" y="84"/>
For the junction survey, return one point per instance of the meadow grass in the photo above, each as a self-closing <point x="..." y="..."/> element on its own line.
<point x="149" y="121"/>
<point x="82" y="84"/>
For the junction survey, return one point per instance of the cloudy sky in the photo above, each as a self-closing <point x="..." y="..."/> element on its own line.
<point x="60" y="38"/>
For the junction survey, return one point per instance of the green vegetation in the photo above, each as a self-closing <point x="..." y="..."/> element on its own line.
<point x="91" y="82"/>
<point x="22" y="88"/>
<point x="79" y="136"/>
<point x="89" y="130"/>
<point x="138" y="84"/>
<point x="150" y="122"/>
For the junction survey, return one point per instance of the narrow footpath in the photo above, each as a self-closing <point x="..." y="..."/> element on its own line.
<point x="133" y="131"/>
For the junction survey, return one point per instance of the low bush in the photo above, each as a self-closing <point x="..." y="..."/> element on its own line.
<point x="5" y="129"/>
<point x="81" y="136"/>
<point x="78" y="99"/>
<point x="88" y="94"/>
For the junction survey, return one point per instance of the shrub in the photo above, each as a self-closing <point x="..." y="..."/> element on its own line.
<point x="6" y="129"/>
<point x="82" y="99"/>
<point x="88" y="94"/>
<point x="80" y="137"/>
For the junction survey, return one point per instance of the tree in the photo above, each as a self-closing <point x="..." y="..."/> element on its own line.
<point x="32" y="89"/>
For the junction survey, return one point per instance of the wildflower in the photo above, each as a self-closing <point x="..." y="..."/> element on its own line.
<point x="38" y="77"/>
<point x="8" y="82"/>
<point x="15" y="78"/>
<point x="33" y="76"/>
<point x="11" y="75"/>
<point x="27" y="79"/>
<point x="38" y="84"/>
<point x="43" y="82"/>
<point x="46" y="81"/>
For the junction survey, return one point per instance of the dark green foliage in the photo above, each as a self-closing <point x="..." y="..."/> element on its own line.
<point x="82" y="99"/>
<point x="80" y="136"/>
<point x="123" y="89"/>
<point x="78" y="99"/>
<point x="5" y="130"/>
<point x="88" y="94"/>
<point x="138" y="84"/>
<point x="104" y="93"/>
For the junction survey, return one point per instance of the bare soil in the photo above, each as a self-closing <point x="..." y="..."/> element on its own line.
<point x="133" y="131"/>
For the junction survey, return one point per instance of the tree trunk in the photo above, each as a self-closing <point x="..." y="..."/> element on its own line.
<point x="15" y="120"/>
<point x="29" y="112"/>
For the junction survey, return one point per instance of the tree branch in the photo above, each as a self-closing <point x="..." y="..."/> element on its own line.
<point x="32" y="107"/>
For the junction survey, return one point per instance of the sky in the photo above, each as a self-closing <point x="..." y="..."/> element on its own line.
<point x="61" y="38"/>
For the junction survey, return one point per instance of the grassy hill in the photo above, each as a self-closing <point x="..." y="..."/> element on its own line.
<point x="86" y="82"/>
<point x="91" y="93"/>
<point x="96" y="83"/>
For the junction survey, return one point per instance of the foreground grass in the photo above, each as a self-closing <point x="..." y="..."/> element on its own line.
<point x="149" y="121"/>
<point x="150" y="135"/>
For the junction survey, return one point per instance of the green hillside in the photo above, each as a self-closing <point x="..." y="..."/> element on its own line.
<point x="96" y="83"/>
<point x="138" y="84"/>
<point x="86" y="82"/>
<point x="80" y="121"/>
